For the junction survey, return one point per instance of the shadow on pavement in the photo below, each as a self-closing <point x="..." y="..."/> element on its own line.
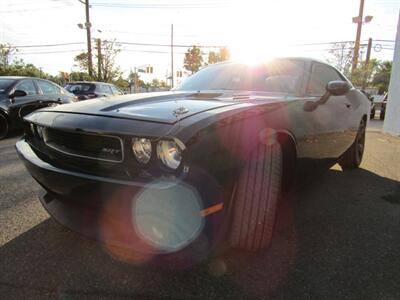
<point x="337" y="237"/>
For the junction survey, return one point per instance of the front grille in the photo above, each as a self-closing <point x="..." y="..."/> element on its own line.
<point x="84" y="145"/>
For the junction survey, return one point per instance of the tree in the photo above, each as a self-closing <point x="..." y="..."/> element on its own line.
<point x="81" y="61"/>
<point x="362" y="75"/>
<point x="79" y="76"/>
<point x="20" y="68"/>
<point x="155" y="83"/>
<point x="6" y="51"/>
<point x="341" y="55"/>
<point x="122" y="83"/>
<point x="193" y="59"/>
<point x="134" y="80"/>
<point x="381" y="78"/>
<point x="108" y="70"/>
<point x="214" y="57"/>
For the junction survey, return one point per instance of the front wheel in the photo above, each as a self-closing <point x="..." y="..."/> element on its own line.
<point x="352" y="158"/>
<point x="4" y="126"/>
<point x="256" y="198"/>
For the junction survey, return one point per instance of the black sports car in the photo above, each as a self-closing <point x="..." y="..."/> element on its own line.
<point x="20" y="96"/>
<point x="185" y="170"/>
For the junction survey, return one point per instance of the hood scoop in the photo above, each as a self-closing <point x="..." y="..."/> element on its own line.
<point x="200" y="95"/>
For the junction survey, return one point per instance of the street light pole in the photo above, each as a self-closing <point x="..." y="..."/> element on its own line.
<point x="358" y="37"/>
<point x="89" y="39"/>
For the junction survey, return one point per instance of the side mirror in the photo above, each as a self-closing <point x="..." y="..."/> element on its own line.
<point x="338" y="87"/>
<point x="18" y="93"/>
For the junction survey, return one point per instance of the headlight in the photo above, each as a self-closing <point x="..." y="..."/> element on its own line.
<point x="141" y="147"/>
<point x="170" y="153"/>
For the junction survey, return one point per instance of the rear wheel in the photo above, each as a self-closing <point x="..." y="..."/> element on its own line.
<point x="352" y="158"/>
<point x="256" y="198"/>
<point x="4" y="126"/>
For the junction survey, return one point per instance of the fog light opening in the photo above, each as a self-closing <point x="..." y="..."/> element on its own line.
<point x="168" y="219"/>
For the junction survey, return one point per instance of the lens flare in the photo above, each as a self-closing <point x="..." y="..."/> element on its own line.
<point x="168" y="219"/>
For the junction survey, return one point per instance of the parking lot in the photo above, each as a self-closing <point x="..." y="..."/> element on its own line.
<point x="338" y="237"/>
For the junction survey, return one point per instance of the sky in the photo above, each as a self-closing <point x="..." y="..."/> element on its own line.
<point x="250" y="29"/>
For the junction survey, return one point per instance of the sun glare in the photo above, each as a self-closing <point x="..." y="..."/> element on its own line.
<point x="258" y="31"/>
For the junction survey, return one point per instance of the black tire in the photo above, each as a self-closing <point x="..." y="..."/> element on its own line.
<point x="4" y="126"/>
<point x="352" y="158"/>
<point x="256" y="198"/>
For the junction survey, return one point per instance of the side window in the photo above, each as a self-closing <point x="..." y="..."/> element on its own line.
<point x="57" y="89"/>
<point x="103" y="88"/>
<point x="27" y="86"/>
<point x="115" y="90"/>
<point x="46" y="87"/>
<point x="320" y="75"/>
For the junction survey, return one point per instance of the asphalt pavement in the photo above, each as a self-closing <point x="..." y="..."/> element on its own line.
<point x="337" y="237"/>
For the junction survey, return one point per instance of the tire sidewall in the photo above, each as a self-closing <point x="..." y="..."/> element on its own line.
<point x="360" y="139"/>
<point x="4" y="126"/>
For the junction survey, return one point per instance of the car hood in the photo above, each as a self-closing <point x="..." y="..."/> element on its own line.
<point x="165" y="107"/>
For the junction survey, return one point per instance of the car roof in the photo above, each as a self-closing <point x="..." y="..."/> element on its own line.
<point x="23" y="77"/>
<point x="305" y="59"/>
<point x="87" y="82"/>
<point x="14" y="77"/>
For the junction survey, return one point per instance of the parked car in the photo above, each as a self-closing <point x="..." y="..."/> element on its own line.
<point x="22" y="95"/>
<point x="373" y="105"/>
<point x="182" y="172"/>
<point x="383" y="107"/>
<point x="88" y="90"/>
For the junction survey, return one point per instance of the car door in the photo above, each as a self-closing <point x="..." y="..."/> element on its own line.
<point x="328" y="120"/>
<point x="19" y="105"/>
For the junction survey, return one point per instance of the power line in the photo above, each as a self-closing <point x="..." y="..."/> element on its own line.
<point x="166" y="45"/>
<point x="48" y="45"/>
<point x="186" y="46"/>
<point x="48" y="52"/>
<point x="148" y="34"/>
<point x="183" y="46"/>
<point x="168" y="52"/>
<point x="162" y="6"/>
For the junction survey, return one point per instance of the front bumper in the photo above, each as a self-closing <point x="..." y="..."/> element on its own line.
<point x="103" y="208"/>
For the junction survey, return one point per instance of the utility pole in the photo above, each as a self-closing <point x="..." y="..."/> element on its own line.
<point x="99" y="59"/>
<point x="89" y="39"/>
<point x="358" y="37"/>
<point x="172" y="55"/>
<point x="367" y="59"/>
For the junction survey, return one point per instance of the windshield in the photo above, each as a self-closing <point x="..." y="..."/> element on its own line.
<point x="5" y="84"/>
<point x="277" y="77"/>
<point x="79" y="87"/>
